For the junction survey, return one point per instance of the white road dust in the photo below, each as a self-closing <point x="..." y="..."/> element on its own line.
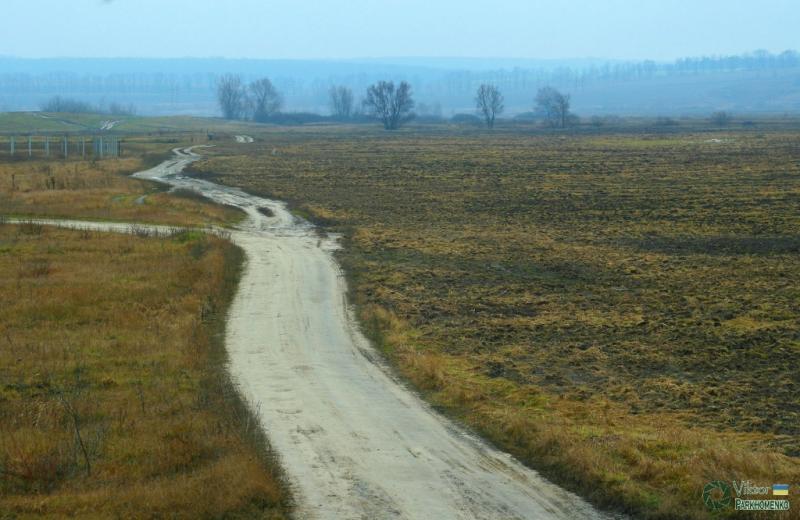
<point x="355" y="443"/>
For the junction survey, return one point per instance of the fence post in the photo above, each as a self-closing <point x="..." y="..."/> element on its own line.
<point x="30" y="146"/>
<point x="66" y="147"/>
<point x="13" y="145"/>
<point x="47" y="146"/>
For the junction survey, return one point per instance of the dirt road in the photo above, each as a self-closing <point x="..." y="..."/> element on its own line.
<point x="354" y="442"/>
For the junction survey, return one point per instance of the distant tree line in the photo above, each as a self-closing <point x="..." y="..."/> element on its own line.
<point x="257" y="101"/>
<point x="261" y="102"/>
<point x="552" y="105"/>
<point x="391" y="104"/>
<point x="454" y="82"/>
<point x="163" y="91"/>
<point x="58" y="104"/>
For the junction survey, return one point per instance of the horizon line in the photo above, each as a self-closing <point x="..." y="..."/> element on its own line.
<point x="397" y="57"/>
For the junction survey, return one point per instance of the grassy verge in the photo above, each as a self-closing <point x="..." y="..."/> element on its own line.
<point x="113" y="395"/>
<point x="619" y="310"/>
<point x="101" y="190"/>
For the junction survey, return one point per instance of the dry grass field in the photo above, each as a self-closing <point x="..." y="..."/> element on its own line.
<point x="619" y="310"/>
<point x="114" y="398"/>
<point x="99" y="190"/>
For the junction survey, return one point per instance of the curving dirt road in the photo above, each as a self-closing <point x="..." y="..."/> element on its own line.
<point x="354" y="442"/>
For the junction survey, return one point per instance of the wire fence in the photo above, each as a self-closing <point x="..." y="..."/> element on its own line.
<point x="59" y="147"/>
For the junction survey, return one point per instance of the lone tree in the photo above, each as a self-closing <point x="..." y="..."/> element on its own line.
<point x="341" y="99"/>
<point x="389" y="104"/>
<point x="231" y="96"/>
<point x="555" y="106"/>
<point x="265" y="100"/>
<point x="489" y="101"/>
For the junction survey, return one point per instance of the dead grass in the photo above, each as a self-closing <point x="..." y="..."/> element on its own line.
<point x="114" y="400"/>
<point x="100" y="190"/>
<point x="618" y="310"/>
<point x="651" y="464"/>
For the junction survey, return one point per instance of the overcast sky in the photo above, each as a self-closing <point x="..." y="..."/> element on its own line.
<point x="638" y="29"/>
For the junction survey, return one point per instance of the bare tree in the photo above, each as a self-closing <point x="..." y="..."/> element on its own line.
<point x="392" y="105"/>
<point x="265" y="98"/>
<point x="489" y="101"/>
<point x="555" y="106"/>
<point x="231" y="96"/>
<point x="341" y="99"/>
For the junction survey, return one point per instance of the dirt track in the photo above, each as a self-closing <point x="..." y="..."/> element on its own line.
<point x="354" y="442"/>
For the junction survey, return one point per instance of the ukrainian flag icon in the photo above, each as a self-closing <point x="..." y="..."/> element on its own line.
<point x="780" y="489"/>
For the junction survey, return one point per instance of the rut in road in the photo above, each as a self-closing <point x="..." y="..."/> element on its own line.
<point x="354" y="442"/>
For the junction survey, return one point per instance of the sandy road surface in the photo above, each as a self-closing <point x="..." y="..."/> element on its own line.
<point x="354" y="442"/>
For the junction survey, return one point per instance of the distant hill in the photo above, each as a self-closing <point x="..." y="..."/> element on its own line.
<point x="756" y="83"/>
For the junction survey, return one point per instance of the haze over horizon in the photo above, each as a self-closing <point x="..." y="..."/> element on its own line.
<point x="360" y="29"/>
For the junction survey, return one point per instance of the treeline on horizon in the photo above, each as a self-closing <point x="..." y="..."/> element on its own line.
<point x="394" y="105"/>
<point x="306" y="87"/>
<point x="626" y="70"/>
<point x="59" y="104"/>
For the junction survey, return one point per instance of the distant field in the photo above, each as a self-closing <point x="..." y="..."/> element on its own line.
<point x="101" y="190"/>
<point x="40" y="122"/>
<point x="621" y="311"/>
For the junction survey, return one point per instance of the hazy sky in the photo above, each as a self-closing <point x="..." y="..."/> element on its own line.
<point x="658" y="29"/>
